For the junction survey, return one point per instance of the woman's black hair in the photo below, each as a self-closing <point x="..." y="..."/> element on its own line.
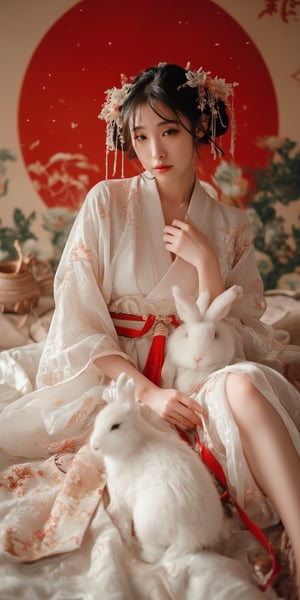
<point x="164" y="84"/>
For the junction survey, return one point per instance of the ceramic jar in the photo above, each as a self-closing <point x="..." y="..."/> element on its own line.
<point x="19" y="291"/>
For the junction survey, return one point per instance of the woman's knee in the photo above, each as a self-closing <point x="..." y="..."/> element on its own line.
<point x="244" y="399"/>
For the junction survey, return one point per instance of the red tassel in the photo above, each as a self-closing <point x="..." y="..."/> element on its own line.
<point x="155" y="360"/>
<point x="213" y="465"/>
<point x="156" y="356"/>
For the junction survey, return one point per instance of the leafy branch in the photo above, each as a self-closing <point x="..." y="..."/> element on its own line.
<point x="21" y="232"/>
<point x="278" y="182"/>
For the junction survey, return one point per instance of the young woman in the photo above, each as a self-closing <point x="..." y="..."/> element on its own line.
<point x="132" y="240"/>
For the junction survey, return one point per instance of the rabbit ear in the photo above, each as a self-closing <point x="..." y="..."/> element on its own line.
<point x="185" y="305"/>
<point x="109" y="393"/>
<point x="220" y="306"/>
<point x="203" y="302"/>
<point x="125" y="389"/>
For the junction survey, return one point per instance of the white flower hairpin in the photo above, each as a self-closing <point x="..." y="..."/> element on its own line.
<point x="210" y="91"/>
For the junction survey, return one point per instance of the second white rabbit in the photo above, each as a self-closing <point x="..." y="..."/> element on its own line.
<point x="159" y="488"/>
<point x="204" y="342"/>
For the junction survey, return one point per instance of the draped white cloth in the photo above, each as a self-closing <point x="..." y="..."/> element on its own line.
<point x="115" y="260"/>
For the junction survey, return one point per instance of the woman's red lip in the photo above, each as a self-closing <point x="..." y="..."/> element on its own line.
<point x="163" y="168"/>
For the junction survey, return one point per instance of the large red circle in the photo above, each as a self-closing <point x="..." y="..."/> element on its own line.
<point x="85" y="52"/>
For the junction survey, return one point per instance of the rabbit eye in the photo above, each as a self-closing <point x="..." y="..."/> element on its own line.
<point x="115" y="426"/>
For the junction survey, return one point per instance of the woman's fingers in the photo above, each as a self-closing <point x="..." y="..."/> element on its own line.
<point x="181" y="423"/>
<point x="182" y="411"/>
<point x="193" y="405"/>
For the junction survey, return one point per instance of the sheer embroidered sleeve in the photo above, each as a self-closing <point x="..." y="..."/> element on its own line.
<point x="81" y="328"/>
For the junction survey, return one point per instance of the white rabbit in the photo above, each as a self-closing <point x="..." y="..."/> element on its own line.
<point x="204" y="342"/>
<point x="158" y="486"/>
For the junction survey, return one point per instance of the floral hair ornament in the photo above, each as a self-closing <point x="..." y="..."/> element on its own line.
<point x="210" y="91"/>
<point x="111" y="113"/>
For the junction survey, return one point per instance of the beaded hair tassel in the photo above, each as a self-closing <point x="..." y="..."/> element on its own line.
<point x="111" y="114"/>
<point x="210" y="90"/>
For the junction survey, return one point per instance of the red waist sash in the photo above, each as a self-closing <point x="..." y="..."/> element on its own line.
<point x="156" y="355"/>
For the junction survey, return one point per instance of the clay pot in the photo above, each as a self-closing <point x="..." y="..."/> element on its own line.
<point x="19" y="291"/>
<point x="43" y="274"/>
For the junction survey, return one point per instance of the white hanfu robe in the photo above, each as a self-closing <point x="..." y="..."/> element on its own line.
<point x="115" y="260"/>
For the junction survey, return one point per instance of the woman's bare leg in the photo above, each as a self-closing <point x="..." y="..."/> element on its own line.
<point x="270" y="453"/>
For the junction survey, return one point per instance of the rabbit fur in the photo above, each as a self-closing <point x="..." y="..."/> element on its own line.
<point x="158" y="486"/>
<point x="204" y="342"/>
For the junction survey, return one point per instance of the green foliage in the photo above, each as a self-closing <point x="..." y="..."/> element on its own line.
<point x="4" y="156"/>
<point x="21" y="231"/>
<point x="278" y="182"/>
<point x="58" y="222"/>
<point x="281" y="177"/>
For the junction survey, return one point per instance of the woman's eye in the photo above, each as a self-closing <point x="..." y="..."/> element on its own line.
<point x="140" y="138"/>
<point x="170" y="132"/>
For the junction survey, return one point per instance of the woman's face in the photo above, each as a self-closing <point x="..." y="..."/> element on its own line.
<point x="163" y="146"/>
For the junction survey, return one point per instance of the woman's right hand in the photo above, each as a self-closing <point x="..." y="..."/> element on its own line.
<point x="170" y="404"/>
<point x="182" y="239"/>
<point x="174" y="406"/>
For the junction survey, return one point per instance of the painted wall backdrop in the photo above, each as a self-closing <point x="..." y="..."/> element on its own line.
<point x="57" y="59"/>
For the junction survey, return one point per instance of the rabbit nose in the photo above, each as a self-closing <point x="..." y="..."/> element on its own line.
<point x="198" y="359"/>
<point x="95" y="445"/>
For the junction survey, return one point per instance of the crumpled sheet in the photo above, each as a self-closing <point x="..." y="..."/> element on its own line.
<point x="94" y="564"/>
<point x="19" y="330"/>
<point x="60" y="543"/>
<point x="102" y="570"/>
<point x="99" y="565"/>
